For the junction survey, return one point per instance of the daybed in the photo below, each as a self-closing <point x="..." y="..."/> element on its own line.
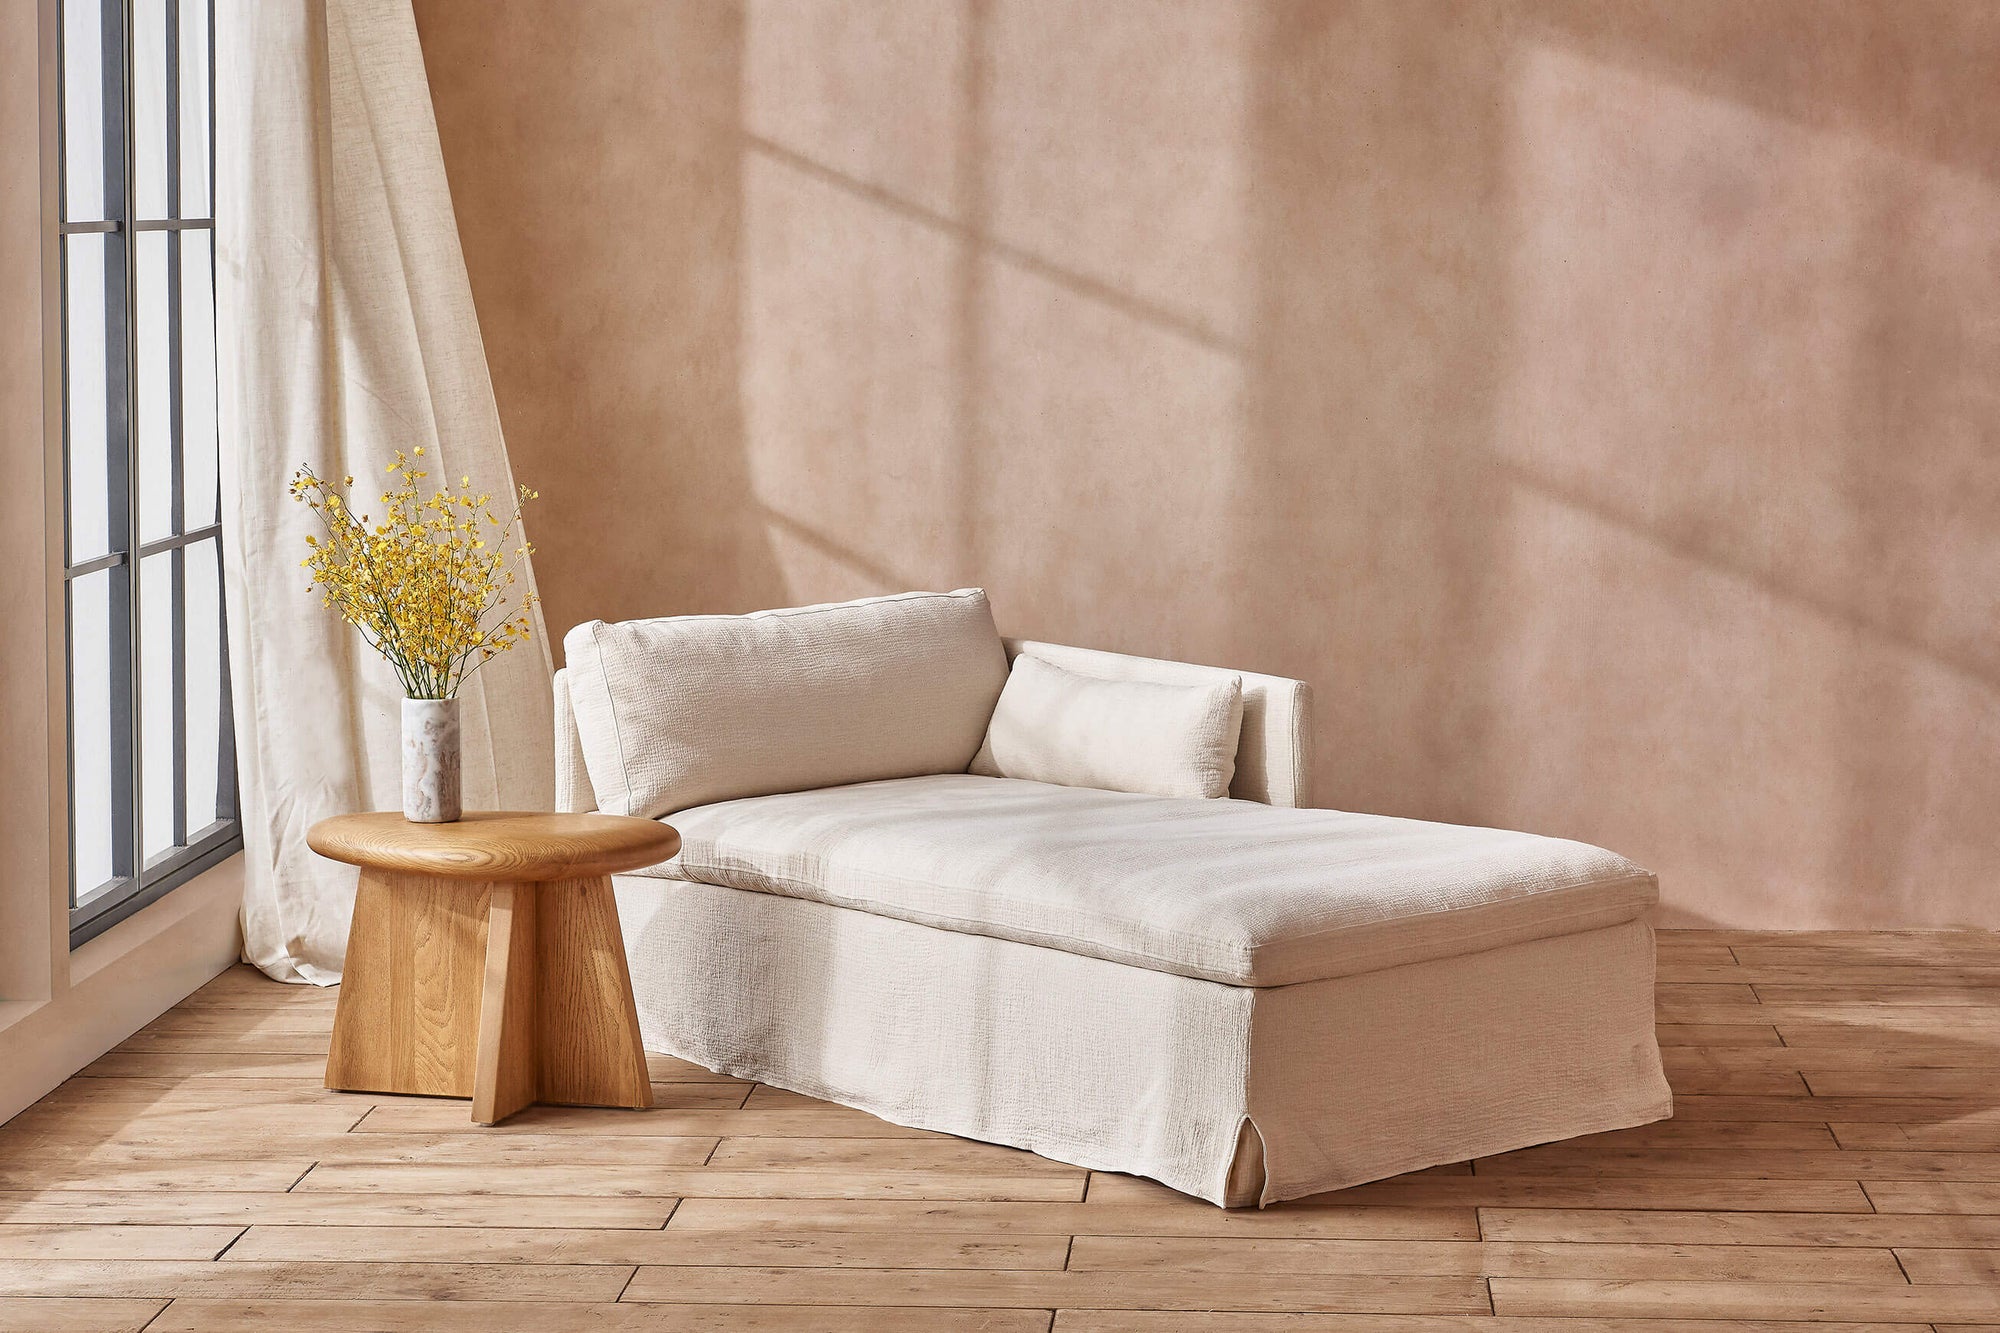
<point x="1244" y="998"/>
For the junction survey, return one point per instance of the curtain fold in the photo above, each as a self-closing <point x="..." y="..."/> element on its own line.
<point x="345" y="331"/>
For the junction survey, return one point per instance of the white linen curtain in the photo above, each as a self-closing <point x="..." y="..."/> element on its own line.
<point x="346" y="331"/>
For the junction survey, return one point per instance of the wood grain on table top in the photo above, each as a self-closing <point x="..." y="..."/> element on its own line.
<point x="490" y="845"/>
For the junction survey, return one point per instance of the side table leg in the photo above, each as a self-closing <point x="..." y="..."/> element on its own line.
<point x="409" y="991"/>
<point x="508" y="1072"/>
<point x="591" y="1054"/>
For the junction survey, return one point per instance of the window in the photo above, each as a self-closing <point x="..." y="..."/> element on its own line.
<point x="152" y="766"/>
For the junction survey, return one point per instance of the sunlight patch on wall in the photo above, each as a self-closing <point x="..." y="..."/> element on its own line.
<point x="1117" y="145"/>
<point x="1748" y="530"/>
<point x="1110" y="457"/>
<point x="1762" y="343"/>
<point x="874" y="90"/>
<point x="850" y="365"/>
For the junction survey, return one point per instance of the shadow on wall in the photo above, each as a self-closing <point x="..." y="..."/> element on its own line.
<point x="1594" y="404"/>
<point x="596" y="170"/>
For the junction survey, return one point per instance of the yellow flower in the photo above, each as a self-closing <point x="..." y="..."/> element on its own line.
<point x="421" y="586"/>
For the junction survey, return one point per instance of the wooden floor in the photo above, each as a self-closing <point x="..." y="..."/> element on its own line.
<point x="1834" y="1157"/>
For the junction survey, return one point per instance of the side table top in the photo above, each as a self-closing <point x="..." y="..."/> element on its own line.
<point x="510" y="845"/>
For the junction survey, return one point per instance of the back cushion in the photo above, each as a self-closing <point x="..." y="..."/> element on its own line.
<point x="686" y="710"/>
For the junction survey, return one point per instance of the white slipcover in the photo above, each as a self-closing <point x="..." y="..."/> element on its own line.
<point x="1507" y="996"/>
<point x="686" y="710"/>
<point x="1237" y="1095"/>
<point x="1060" y="726"/>
<point x="1231" y="891"/>
<point x="1274" y="751"/>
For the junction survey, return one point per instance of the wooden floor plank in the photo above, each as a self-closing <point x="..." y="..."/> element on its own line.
<point x="1174" y="1218"/>
<point x="222" y="1208"/>
<point x="1711" y="1035"/>
<point x="936" y="1153"/>
<point x="59" y="1240"/>
<point x="99" y="1152"/>
<point x="1822" y="1109"/>
<point x="376" y="1316"/>
<point x="1744" y="1263"/>
<point x="192" y="1177"/>
<point x="1059" y="1290"/>
<point x="1968" y="1135"/>
<point x="1588" y="1226"/>
<point x="1714" y="1134"/>
<point x="214" y="1093"/>
<point x="127" y="1122"/>
<point x="1794" y="1196"/>
<point x="1944" y="1267"/>
<point x="824" y="1121"/>
<point x="205" y="1043"/>
<point x="642" y="1179"/>
<point x="1688" y="1071"/>
<point x="1884" y="1037"/>
<point x="765" y="1249"/>
<point x="1896" y="1052"/>
<point x="1812" y="973"/>
<point x="1985" y="996"/>
<point x="203" y="1065"/>
<point x="1932" y="1196"/>
<point x="76" y="1314"/>
<point x="1270" y="1255"/>
<point x="1774" y="1164"/>
<point x="1741" y="1300"/>
<point x="161" y="1277"/>
<point x="1884" y="1081"/>
<point x="1911" y="949"/>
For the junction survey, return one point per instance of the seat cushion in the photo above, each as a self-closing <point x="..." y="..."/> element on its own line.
<point x="1226" y="890"/>
<point x="687" y="710"/>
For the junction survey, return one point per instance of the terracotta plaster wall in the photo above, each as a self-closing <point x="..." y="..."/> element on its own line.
<point x="1598" y="403"/>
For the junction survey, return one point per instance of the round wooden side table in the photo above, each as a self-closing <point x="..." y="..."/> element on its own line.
<point x="485" y="959"/>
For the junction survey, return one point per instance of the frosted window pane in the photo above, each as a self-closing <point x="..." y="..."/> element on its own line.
<point x="152" y="403"/>
<point x="198" y="447"/>
<point x="83" y="110"/>
<point x="90" y="736"/>
<point x="86" y="414"/>
<point x="204" y="684"/>
<point x="156" y="704"/>
<point x="194" y="108"/>
<point x="149" y="108"/>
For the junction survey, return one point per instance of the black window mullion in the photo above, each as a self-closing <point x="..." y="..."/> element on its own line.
<point x="177" y="478"/>
<point x="121" y="467"/>
<point x="173" y="127"/>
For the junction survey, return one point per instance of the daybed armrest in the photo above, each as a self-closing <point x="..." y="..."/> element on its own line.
<point x="1274" y="756"/>
<point x="573" y="791"/>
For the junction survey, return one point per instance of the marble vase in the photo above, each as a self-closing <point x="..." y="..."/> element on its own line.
<point x="430" y="761"/>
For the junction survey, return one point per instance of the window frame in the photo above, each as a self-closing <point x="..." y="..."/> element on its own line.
<point x="136" y="882"/>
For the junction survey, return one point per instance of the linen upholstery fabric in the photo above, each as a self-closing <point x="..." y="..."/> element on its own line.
<point x="1229" y="891"/>
<point x="1053" y="725"/>
<point x="687" y="710"/>
<point x="345" y="331"/>
<point x="1274" y="748"/>
<point x="1232" y="1094"/>
<point x="573" y="790"/>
